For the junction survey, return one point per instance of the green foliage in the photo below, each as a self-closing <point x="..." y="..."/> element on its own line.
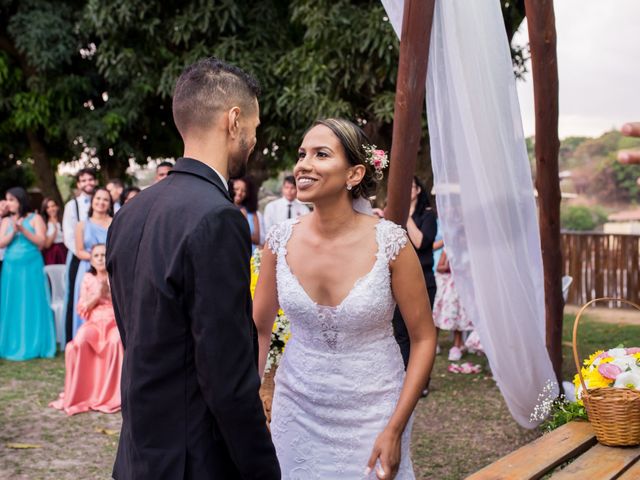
<point x="314" y="58"/>
<point x="562" y="412"/>
<point x="581" y="218"/>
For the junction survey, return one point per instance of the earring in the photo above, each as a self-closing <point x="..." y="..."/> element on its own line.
<point x="349" y="187"/>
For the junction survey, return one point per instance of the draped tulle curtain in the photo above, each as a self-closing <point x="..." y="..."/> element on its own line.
<point x="484" y="193"/>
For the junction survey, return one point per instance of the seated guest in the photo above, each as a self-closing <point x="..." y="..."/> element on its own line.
<point x="54" y="250"/>
<point x="93" y="359"/>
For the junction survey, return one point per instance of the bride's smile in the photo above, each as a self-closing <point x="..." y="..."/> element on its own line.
<point x="322" y="170"/>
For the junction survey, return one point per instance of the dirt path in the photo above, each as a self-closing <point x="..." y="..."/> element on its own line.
<point x="624" y="316"/>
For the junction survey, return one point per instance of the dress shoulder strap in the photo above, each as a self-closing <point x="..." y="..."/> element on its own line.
<point x="278" y="236"/>
<point x="391" y="239"/>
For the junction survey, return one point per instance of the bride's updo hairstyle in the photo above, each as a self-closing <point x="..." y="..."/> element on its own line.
<point x="352" y="139"/>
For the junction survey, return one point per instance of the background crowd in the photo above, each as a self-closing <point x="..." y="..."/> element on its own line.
<point x="72" y="239"/>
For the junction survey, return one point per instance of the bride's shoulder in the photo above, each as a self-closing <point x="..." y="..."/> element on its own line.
<point x="279" y="234"/>
<point x="391" y="237"/>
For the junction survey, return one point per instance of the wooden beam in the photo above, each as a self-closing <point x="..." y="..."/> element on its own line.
<point x="542" y="40"/>
<point x="410" y="93"/>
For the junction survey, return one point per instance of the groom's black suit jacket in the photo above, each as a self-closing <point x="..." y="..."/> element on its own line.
<point x="178" y="259"/>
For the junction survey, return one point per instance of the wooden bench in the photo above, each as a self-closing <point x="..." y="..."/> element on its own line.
<point x="574" y="441"/>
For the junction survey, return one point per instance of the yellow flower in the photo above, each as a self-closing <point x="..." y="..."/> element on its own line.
<point x="592" y="357"/>
<point x="280" y="313"/>
<point x="275" y="327"/>
<point x="287" y="337"/>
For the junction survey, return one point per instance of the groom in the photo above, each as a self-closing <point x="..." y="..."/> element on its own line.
<point x="178" y="261"/>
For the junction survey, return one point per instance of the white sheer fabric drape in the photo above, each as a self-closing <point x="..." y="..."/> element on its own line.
<point x="484" y="193"/>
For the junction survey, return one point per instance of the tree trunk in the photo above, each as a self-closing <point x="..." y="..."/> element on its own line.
<point x="45" y="174"/>
<point x="542" y="39"/>
<point x="410" y="93"/>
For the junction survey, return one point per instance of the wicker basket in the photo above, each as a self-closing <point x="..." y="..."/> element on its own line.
<point x="266" y="392"/>
<point x="613" y="412"/>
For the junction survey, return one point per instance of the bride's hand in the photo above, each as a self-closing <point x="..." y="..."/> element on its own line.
<point x="387" y="450"/>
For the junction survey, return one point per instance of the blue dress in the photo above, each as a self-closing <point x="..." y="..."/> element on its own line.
<point x="93" y="234"/>
<point x="26" y="319"/>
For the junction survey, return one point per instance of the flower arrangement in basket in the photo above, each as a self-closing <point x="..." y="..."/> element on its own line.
<point x="609" y="386"/>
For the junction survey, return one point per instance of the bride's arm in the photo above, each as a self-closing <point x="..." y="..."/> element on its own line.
<point x="265" y="305"/>
<point x="409" y="290"/>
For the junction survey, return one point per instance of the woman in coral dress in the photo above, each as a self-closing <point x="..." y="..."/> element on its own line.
<point x="93" y="359"/>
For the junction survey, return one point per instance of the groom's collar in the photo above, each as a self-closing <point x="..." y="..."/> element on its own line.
<point x="202" y="170"/>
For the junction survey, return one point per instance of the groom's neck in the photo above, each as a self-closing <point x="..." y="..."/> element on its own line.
<point x="212" y="153"/>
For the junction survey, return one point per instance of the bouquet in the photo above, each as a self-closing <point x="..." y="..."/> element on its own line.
<point x="618" y="368"/>
<point x="281" y="332"/>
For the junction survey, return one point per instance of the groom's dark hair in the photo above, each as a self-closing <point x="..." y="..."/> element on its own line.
<point x="208" y="87"/>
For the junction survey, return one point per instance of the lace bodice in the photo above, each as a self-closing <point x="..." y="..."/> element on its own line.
<point x="340" y="327"/>
<point x="340" y="377"/>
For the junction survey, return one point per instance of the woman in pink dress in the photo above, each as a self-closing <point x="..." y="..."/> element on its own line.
<point x="93" y="359"/>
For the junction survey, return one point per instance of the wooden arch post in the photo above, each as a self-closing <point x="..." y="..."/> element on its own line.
<point x="542" y="39"/>
<point x="410" y="94"/>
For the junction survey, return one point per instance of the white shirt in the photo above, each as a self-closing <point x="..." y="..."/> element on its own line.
<point x="278" y="211"/>
<point x="70" y="219"/>
<point x="224" y="180"/>
<point x="59" y="237"/>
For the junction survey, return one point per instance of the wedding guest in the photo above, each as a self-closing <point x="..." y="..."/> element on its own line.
<point x="54" y="250"/>
<point x="115" y="188"/>
<point x="422" y="230"/>
<point x="448" y="312"/>
<point x="162" y="170"/>
<point x="89" y="233"/>
<point x="26" y="321"/>
<point x="4" y="211"/>
<point x="129" y="193"/>
<point x="288" y="206"/>
<point x="245" y="197"/>
<point x="75" y="211"/>
<point x="93" y="359"/>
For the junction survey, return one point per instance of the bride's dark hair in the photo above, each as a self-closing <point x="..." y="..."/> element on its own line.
<point x="352" y="139"/>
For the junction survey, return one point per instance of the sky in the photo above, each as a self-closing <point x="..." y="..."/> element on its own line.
<point x="598" y="65"/>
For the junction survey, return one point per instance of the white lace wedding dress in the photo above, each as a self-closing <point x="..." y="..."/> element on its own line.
<point x="341" y="374"/>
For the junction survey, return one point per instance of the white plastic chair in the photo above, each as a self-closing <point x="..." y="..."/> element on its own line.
<point x="567" y="280"/>
<point x="57" y="283"/>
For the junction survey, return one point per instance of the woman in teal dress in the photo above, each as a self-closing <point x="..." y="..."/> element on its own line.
<point x="26" y="320"/>
<point x="90" y="233"/>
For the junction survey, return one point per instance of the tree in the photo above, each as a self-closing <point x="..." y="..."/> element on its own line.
<point x="42" y="85"/>
<point x="313" y="57"/>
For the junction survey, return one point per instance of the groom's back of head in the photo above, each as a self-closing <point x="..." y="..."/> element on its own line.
<point x="208" y="87"/>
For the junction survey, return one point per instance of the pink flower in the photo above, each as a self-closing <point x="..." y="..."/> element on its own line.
<point x="378" y="153"/>
<point x="609" y="371"/>
<point x="377" y="162"/>
<point x="632" y="350"/>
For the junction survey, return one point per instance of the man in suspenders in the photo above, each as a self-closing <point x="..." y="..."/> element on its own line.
<point x="75" y="211"/>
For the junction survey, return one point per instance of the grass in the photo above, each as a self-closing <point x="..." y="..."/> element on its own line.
<point x="460" y="427"/>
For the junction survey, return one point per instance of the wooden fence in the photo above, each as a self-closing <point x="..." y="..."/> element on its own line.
<point x="602" y="265"/>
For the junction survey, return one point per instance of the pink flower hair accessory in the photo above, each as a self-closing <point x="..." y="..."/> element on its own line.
<point x="377" y="158"/>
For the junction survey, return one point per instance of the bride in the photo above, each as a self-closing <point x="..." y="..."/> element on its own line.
<point x="342" y="405"/>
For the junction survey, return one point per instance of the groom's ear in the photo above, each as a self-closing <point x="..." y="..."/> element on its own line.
<point x="233" y="119"/>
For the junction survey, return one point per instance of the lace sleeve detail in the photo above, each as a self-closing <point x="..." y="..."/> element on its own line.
<point x="392" y="238"/>
<point x="278" y="236"/>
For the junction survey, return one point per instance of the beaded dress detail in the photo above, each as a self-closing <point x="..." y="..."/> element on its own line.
<point x="341" y="374"/>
